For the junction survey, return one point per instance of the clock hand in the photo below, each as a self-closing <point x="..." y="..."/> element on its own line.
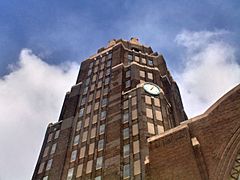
<point x="151" y="88"/>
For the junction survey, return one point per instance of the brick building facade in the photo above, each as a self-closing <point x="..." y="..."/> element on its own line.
<point x="124" y="119"/>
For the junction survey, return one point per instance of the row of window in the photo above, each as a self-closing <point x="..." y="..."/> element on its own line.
<point x="47" y="168"/>
<point x="89" y="168"/>
<point x="99" y="82"/>
<point x="101" y="59"/>
<point x="46" y="150"/>
<point x="141" y="60"/>
<point x="143" y="74"/>
<point x="52" y="136"/>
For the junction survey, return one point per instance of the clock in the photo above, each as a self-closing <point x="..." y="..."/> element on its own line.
<point x="152" y="88"/>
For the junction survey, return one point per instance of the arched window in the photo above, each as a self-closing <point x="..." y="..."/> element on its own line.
<point x="235" y="173"/>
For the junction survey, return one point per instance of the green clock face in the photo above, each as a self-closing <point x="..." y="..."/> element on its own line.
<point x="151" y="88"/>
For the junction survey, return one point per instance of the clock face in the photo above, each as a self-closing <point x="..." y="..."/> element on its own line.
<point x="152" y="89"/>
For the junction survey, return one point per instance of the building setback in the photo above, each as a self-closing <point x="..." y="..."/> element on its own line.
<point x="124" y="119"/>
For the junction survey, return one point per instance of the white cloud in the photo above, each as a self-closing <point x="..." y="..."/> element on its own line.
<point x="210" y="69"/>
<point x="31" y="97"/>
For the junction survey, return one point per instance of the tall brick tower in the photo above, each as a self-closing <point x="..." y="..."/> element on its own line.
<point x="124" y="94"/>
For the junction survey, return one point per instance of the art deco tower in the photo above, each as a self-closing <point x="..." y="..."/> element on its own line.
<point x="124" y="94"/>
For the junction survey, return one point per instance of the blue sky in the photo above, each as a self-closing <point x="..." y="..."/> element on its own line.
<point x="72" y="30"/>
<point x="43" y="42"/>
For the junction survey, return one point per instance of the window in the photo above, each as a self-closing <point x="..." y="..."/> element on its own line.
<point x="134" y="100"/>
<point x="160" y="129"/>
<point x="130" y="57"/>
<point x="83" y="101"/>
<point x="91" y="65"/>
<point x="94" y="119"/>
<point x="105" y="90"/>
<point x="92" y="87"/>
<point x="93" y="132"/>
<point x="50" y="136"/>
<point x="126" y="171"/>
<point x="157" y="102"/>
<point x="150" y="76"/>
<point x="99" y="84"/>
<point x="99" y="163"/>
<point x="96" y="106"/>
<point x="125" y="117"/>
<point x="98" y="178"/>
<point x="109" y="63"/>
<point x="150" y="128"/>
<point x="102" y="129"/>
<point x="84" y="136"/>
<point x="137" y="169"/>
<point x="70" y="174"/>
<point x="81" y="112"/>
<point x="148" y="100"/>
<point x="126" y="150"/>
<point x="89" y="167"/>
<point x="104" y="102"/>
<point x="125" y="133"/>
<point x="149" y="113"/>
<point x="79" y="170"/>
<point x="49" y="164"/>
<point x="135" y="129"/>
<point x="101" y="75"/>
<point x="150" y="62"/>
<point x="94" y="78"/>
<point x="97" y="62"/>
<point x="136" y="58"/>
<point x="106" y="82"/>
<point x="85" y="90"/>
<point x="107" y="71"/>
<point x="100" y="144"/>
<point x="53" y="148"/>
<point x="136" y="147"/>
<point x="90" y="98"/>
<point x="103" y="59"/>
<point x="79" y="125"/>
<point x="134" y="114"/>
<point x="86" y="122"/>
<point x="158" y="115"/>
<point x="95" y="69"/>
<point x="40" y="170"/>
<point x="98" y="93"/>
<point x="109" y="56"/>
<point x="45" y="153"/>
<point x="143" y="60"/>
<point x="102" y="67"/>
<point x="103" y="115"/>
<point x="89" y="108"/>
<point x="73" y="156"/>
<point x="87" y="81"/>
<point x="89" y="72"/>
<point x="91" y="148"/>
<point x="125" y="104"/>
<point x="127" y="83"/>
<point x="45" y="178"/>
<point x="76" y="140"/>
<point x="142" y="74"/>
<point x="128" y="74"/>
<point x="82" y="152"/>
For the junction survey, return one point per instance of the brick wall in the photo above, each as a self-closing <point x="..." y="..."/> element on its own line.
<point x="174" y="154"/>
